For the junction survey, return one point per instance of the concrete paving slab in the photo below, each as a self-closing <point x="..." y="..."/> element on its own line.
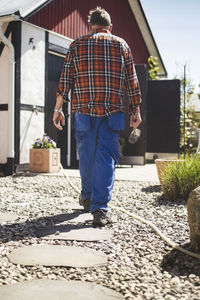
<point x="56" y="255"/>
<point x="146" y="173"/>
<point x="6" y="217"/>
<point x="73" y="217"/>
<point x="74" y="233"/>
<point x="67" y="199"/>
<point x="42" y="289"/>
<point x="72" y="206"/>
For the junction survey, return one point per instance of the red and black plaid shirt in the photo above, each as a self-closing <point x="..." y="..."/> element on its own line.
<point x="100" y="69"/>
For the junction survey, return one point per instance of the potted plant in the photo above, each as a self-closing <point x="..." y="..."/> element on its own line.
<point x="181" y="177"/>
<point x="44" y="156"/>
<point x="162" y="163"/>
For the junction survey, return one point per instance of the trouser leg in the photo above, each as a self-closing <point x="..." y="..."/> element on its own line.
<point x="86" y="150"/>
<point x="106" y="156"/>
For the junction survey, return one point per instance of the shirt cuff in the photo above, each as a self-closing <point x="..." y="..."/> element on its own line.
<point x="63" y="95"/>
<point x="132" y="109"/>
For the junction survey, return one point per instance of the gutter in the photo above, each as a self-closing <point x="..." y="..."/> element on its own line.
<point x="11" y="101"/>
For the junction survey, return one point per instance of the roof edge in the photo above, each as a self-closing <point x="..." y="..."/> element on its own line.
<point x="9" y="18"/>
<point x="146" y="32"/>
<point x="29" y="13"/>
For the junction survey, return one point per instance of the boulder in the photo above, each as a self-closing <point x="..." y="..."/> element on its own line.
<point x="193" y="208"/>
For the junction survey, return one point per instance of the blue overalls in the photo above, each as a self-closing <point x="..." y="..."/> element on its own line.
<point x="98" y="150"/>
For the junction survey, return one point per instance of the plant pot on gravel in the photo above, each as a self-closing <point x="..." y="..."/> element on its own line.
<point x="179" y="177"/>
<point x="44" y="156"/>
<point x="161" y="164"/>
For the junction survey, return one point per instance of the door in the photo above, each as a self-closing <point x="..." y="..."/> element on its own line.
<point x="55" y="63"/>
<point x="135" y="154"/>
<point x="163" y="117"/>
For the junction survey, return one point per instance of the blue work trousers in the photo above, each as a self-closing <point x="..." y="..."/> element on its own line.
<point x="98" y="150"/>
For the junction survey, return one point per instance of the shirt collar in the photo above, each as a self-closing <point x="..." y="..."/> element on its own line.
<point x="101" y="30"/>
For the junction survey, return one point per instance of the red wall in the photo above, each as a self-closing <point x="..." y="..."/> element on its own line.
<point x="69" y="18"/>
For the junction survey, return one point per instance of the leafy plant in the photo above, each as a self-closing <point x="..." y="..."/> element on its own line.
<point x="153" y="67"/>
<point x="180" y="178"/>
<point x="188" y="141"/>
<point x="192" y="122"/>
<point x="44" y="143"/>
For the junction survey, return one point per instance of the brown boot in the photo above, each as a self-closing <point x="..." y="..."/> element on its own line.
<point x="101" y="217"/>
<point x="85" y="204"/>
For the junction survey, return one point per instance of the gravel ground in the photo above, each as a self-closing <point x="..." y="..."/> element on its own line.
<point x="140" y="265"/>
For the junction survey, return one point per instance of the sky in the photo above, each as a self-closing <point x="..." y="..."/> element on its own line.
<point x="175" y="25"/>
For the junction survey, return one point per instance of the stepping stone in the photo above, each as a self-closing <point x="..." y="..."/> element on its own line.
<point x="43" y="289"/>
<point x="5" y="217"/>
<point x="73" y="206"/>
<point x="67" y="199"/>
<point x="74" y="233"/>
<point x="56" y="255"/>
<point x="75" y="217"/>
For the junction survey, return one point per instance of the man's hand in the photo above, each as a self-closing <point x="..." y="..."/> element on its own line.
<point x="58" y="117"/>
<point x="136" y="119"/>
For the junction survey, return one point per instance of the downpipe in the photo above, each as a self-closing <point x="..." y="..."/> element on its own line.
<point x="11" y="101"/>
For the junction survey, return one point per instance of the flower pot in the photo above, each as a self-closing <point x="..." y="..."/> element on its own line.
<point x="162" y="163"/>
<point x="44" y="160"/>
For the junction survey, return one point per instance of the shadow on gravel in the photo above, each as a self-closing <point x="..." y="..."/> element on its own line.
<point x="161" y="200"/>
<point x="179" y="264"/>
<point x="152" y="189"/>
<point x="29" y="228"/>
<point x="27" y="174"/>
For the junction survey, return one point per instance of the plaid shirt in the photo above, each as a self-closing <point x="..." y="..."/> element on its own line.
<point x="99" y="69"/>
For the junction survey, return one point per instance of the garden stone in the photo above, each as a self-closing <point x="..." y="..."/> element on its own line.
<point x="6" y="217"/>
<point x="75" y="217"/>
<point x="57" y="290"/>
<point x="74" y="232"/>
<point x="56" y="255"/>
<point x="72" y="206"/>
<point x="193" y="208"/>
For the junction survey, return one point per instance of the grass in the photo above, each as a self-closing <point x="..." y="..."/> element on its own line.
<point x="180" y="178"/>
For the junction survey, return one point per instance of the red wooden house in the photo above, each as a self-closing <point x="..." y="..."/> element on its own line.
<point x="40" y="32"/>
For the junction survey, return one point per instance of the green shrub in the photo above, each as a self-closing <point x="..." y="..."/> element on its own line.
<point x="180" y="178"/>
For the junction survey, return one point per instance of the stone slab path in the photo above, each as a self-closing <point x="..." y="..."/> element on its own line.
<point x="74" y="233"/>
<point x="74" y="225"/>
<point x="43" y="289"/>
<point x="74" y="217"/>
<point x="56" y="255"/>
<point x="6" y="217"/>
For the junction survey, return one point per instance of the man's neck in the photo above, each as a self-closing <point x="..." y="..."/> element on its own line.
<point x="94" y="28"/>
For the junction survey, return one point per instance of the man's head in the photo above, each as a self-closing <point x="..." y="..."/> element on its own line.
<point x="99" y="18"/>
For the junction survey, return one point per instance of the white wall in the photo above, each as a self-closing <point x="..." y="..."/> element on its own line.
<point x="32" y="65"/>
<point x="31" y="127"/>
<point x="4" y="96"/>
<point x="59" y="40"/>
<point x="32" y="86"/>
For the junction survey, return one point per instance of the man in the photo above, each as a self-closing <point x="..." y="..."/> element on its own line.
<point x="99" y="66"/>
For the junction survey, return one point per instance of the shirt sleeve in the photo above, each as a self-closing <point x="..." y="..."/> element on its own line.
<point x="132" y="83"/>
<point x="67" y="74"/>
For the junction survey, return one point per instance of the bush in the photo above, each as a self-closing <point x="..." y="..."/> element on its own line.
<point x="179" y="179"/>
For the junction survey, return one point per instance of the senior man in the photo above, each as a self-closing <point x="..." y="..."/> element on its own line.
<point x="100" y="68"/>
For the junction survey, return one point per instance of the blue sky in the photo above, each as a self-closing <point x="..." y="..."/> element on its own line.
<point x="175" y="25"/>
